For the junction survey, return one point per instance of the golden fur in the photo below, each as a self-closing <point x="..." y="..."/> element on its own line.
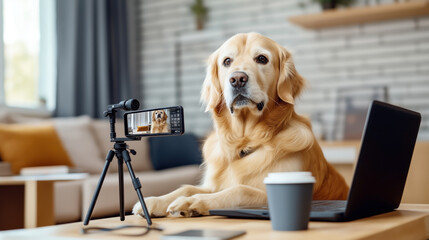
<point x="258" y="134"/>
<point x="159" y="122"/>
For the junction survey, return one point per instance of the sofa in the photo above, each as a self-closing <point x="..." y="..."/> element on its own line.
<point x="162" y="163"/>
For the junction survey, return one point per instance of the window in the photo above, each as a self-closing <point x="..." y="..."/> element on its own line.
<point x="27" y="53"/>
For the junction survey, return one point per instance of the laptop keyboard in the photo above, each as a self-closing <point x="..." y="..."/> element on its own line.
<point x="326" y="205"/>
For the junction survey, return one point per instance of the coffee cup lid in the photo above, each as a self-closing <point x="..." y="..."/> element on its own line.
<point x="289" y="177"/>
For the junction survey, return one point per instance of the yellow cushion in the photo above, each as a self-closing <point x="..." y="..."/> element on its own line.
<point x="142" y="128"/>
<point x="30" y="146"/>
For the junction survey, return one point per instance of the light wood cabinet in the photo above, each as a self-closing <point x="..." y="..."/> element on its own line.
<point x="416" y="187"/>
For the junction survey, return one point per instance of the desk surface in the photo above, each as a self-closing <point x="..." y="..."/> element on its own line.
<point x="410" y="222"/>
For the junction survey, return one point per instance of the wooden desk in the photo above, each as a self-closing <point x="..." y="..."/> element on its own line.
<point x="28" y="201"/>
<point x="410" y="222"/>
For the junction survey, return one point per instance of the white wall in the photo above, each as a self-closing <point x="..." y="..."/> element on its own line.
<point x="393" y="53"/>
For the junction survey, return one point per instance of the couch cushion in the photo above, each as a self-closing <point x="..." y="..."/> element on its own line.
<point x="25" y="119"/>
<point x="16" y="115"/>
<point x="154" y="183"/>
<point x="77" y="138"/>
<point x="80" y="143"/>
<point x="174" y="151"/>
<point x="31" y="145"/>
<point x="4" y="116"/>
<point x="140" y="162"/>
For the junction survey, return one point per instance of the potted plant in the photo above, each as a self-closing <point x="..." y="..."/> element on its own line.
<point x="200" y="13"/>
<point x="332" y="4"/>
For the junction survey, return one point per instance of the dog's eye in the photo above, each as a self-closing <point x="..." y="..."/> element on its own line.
<point x="261" y="59"/>
<point x="227" y="62"/>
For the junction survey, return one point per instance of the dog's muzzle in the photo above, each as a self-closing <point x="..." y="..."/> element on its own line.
<point x="240" y="92"/>
<point x="240" y="100"/>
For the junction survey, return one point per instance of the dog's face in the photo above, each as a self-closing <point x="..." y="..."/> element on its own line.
<point x="159" y="116"/>
<point x="250" y="71"/>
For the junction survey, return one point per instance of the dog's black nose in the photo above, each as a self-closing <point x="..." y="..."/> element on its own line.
<point x="238" y="79"/>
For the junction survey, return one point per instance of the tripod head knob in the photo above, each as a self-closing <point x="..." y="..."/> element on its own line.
<point x="133" y="152"/>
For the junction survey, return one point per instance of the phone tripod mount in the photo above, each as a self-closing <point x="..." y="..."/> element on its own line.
<point x="122" y="153"/>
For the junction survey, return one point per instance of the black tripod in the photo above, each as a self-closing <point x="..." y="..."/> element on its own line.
<point x="122" y="154"/>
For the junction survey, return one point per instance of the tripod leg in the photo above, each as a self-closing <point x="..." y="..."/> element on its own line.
<point x="137" y="185"/>
<point x="109" y="158"/>
<point x="121" y="185"/>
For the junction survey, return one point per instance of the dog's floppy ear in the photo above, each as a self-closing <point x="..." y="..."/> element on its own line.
<point x="211" y="91"/>
<point x="164" y="117"/>
<point x="290" y="83"/>
<point x="153" y="116"/>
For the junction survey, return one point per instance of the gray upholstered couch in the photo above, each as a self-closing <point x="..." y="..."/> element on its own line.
<point x="87" y="142"/>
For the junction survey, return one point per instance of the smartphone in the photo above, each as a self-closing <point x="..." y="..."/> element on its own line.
<point x="157" y="121"/>
<point x="204" y="235"/>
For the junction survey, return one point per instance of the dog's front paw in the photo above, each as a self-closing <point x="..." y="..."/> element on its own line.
<point x="188" y="207"/>
<point x="156" y="206"/>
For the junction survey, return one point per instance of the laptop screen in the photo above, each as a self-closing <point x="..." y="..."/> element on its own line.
<point x="387" y="146"/>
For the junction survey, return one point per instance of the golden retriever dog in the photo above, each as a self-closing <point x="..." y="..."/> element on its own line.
<point x="250" y="89"/>
<point x="159" y="122"/>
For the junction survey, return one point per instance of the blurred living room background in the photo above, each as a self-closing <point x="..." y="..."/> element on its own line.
<point x="352" y="63"/>
<point x="68" y="58"/>
<point x="75" y="57"/>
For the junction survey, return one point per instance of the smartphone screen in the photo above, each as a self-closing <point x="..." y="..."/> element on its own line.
<point x="158" y="121"/>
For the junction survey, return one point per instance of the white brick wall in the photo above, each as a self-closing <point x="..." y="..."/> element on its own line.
<point x="392" y="53"/>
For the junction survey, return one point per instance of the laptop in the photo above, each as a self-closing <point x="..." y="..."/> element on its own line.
<point x="388" y="141"/>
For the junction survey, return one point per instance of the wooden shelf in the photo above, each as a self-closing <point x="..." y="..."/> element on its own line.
<point x="360" y="15"/>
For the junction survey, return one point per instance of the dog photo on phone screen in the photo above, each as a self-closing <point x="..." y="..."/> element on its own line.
<point x="159" y="122"/>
